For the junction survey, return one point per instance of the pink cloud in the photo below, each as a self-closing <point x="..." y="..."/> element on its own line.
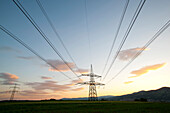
<point x="43" y="77"/>
<point x="82" y="71"/>
<point x="9" y="79"/>
<point x="60" y="65"/>
<point x="129" y="53"/>
<point x="74" y="82"/>
<point x="52" y="86"/>
<point x="128" y="82"/>
<point x="146" y="69"/>
<point x="78" y="89"/>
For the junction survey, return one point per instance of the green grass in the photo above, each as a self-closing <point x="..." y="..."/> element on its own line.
<point x="83" y="107"/>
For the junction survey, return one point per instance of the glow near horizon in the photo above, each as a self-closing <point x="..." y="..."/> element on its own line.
<point x="69" y="20"/>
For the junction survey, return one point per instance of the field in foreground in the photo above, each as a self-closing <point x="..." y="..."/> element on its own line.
<point x="84" y="107"/>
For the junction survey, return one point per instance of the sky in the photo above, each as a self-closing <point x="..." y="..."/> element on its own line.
<point x="88" y="43"/>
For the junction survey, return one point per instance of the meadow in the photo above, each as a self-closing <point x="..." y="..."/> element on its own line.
<point x="84" y="107"/>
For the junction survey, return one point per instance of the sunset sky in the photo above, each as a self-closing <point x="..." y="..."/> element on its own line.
<point x="151" y="70"/>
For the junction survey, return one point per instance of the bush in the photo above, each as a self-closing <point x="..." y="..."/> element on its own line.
<point x="141" y="99"/>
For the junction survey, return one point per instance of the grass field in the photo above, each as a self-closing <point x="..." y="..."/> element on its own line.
<point x="83" y="107"/>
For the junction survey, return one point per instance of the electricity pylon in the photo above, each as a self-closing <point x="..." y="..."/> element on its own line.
<point x="13" y="91"/>
<point x="92" y="85"/>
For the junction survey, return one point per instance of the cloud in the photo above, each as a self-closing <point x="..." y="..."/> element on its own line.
<point x="29" y="95"/>
<point x="25" y="58"/>
<point x="128" y="82"/>
<point x="32" y="92"/>
<point x="43" y="77"/>
<point x="78" y="89"/>
<point x="129" y="53"/>
<point x="52" y="86"/>
<point x="82" y="71"/>
<point x="9" y="79"/>
<point x="146" y="69"/>
<point x="42" y="90"/>
<point x="36" y="95"/>
<point x="9" y="49"/>
<point x="47" y="85"/>
<point x="60" y="65"/>
<point x="4" y="92"/>
<point x="74" y="82"/>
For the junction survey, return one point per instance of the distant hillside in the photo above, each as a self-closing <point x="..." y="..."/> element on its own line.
<point x="159" y="95"/>
<point x="86" y="98"/>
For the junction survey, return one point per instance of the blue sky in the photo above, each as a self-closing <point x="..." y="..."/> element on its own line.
<point x="68" y="17"/>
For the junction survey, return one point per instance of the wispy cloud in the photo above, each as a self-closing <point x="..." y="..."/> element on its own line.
<point x="33" y="94"/>
<point x="146" y="69"/>
<point x="26" y="58"/>
<point x="52" y="86"/>
<point x="9" y="79"/>
<point x="128" y="82"/>
<point x="78" y="89"/>
<point x="129" y="53"/>
<point x="60" y="65"/>
<point x="43" y="77"/>
<point x="4" y="92"/>
<point x="9" y="49"/>
<point x="74" y="82"/>
<point x="43" y="90"/>
<point x="82" y="71"/>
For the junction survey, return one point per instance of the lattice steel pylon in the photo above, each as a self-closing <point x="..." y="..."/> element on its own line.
<point x="13" y="92"/>
<point x="92" y="85"/>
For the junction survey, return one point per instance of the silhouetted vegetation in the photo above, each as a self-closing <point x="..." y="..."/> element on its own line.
<point x="158" y="95"/>
<point x="103" y="99"/>
<point x="83" y="107"/>
<point x="141" y="99"/>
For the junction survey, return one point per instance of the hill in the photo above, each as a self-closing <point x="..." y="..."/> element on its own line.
<point x="159" y="95"/>
<point x="86" y="98"/>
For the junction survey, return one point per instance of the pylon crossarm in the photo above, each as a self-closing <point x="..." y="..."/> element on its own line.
<point x="82" y="83"/>
<point x="85" y="75"/>
<point x="92" y="85"/>
<point x="96" y="76"/>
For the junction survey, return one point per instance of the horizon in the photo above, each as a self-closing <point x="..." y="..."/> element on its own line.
<point x="87" y="97"/>
<point x="87" y="29"/>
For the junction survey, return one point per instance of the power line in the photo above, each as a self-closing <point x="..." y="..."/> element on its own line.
<point x="92" y="85"/>
<point x="13" y="91"/>
<point x="88" y="34"/>
<point x="117" y="32"/>
<point x="23" y="10"/>
<point x="138" y="10"/>
<point x="29" y="48"/>
<point x="160" y="31"/>
<point x="55" y="31"/>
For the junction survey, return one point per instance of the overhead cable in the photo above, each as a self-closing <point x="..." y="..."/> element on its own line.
<point x="30" y="49"/>
<point x="160" y="31"/>
<point x="138" y="10"/>
<point x="55" y="31"/>
<point x="27" y="15"/>
<point x="117" y="32"/>
<point x="88" y="34"/>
